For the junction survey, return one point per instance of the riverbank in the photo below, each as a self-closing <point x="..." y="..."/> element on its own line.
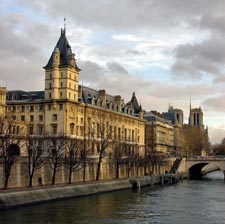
<point x="25" y="196"/>
<point x="19" y="197"/>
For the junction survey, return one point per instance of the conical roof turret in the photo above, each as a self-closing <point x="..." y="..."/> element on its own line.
<point x="65" y="52"/>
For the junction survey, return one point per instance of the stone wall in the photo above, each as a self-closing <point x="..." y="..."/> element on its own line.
<point x="19" y="174"/>
<point x="31" y="196"/>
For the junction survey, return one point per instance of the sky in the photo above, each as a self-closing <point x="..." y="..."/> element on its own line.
<point x="169" y="52"/>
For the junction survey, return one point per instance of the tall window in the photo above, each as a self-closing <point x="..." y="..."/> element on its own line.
<point x="54" y="129"/>
<point x="31" y="118"/>
<point x="40" y="117"/>
<point x="41" y="107"/>
<point x="31" y="130"/>
<point x="54" y="117"/>
<point x="72" y="128"/>
<point x="40" y="130"/>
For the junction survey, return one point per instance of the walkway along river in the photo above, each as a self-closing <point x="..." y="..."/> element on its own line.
<point x="194" y="202"/>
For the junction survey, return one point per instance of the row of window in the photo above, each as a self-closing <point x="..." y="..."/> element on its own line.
<point x="61" y="95"/>
<point x="40" y="118"/>
<point x="33" y="108"/>
<point x="71" y="76"/>
<point x="113" y="132"/>
<point x="61" y="86"/>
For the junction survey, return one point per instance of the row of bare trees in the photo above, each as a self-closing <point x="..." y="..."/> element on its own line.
<point x="72" y="153"/>
<point x="37" y="151"/>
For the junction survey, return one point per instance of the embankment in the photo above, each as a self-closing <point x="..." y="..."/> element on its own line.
<point x="10" y="198"/>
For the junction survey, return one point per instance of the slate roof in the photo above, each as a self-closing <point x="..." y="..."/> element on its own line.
<point x="20" y="95"/>
<point x="65" y="52"/>
<point x="170" y="116"/>
<point x="91" y="96"/>
<point x="88" y="94"/>
<point x="149" y="116"/>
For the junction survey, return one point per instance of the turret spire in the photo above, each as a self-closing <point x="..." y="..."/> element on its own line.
<point x="64" y="25"/>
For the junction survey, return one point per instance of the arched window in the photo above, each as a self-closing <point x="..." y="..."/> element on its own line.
<point x="72" y="128"/>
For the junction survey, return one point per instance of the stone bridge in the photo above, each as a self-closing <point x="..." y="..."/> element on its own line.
<point x="199" y="166"/>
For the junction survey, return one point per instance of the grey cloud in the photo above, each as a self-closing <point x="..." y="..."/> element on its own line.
<point x="116" y="68"/>
<point x="215" y="103"/>
<point x="135" y="52"/>
<point x="150" y="13"/>
<point x="213" y="22"/>
<point x="91" y="72"/>
<point x="200" y="59"/>
<point x="21" y="57"/>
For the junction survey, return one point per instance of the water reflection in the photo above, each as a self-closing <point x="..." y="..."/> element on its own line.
<point x="215" y="175"/>
<point x="195" y="202"/>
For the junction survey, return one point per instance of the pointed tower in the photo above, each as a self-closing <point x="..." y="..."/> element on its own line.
<point x="62" y="72"/>
<point x="135" y="104"/>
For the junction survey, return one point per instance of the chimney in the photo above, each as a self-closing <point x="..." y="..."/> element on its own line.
<point x="102" y="96"/>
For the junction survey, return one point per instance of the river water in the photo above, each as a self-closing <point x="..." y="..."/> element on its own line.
<point x="189" y="202"/>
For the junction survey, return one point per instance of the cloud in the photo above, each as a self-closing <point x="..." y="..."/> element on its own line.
<point x="196" y="61"/>
<point x="165" y="51"/>
<point x="217" y="134"/>
<point x="215" y="103"/>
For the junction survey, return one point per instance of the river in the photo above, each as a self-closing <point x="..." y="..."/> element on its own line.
<point x="189" y="202"/>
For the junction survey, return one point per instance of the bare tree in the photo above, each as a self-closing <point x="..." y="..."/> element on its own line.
<point x="12" y="135"/>
<point x="35" y="155"/>
<point x="130" y="155"/>
<point x="74" y="156"/>
<point x="100" y="136"/>
<point x="56" y="153"/>
<point x="119" y="156"/>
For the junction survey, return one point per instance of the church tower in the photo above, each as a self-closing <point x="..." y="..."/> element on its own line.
<point x="196" y="117"/>
<point x="62" y="72"/>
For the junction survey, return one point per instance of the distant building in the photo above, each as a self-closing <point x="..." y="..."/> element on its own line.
<point x="159" y="133"/>
<point x="2" y="100"/>
<point x="192" y="138"/>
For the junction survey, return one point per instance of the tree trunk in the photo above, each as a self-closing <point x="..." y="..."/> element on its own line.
<point x="30" y="180"/>
<point x="6" y="181"/>
<point x="53" y="176"/>
<point x="70" y="176"/>
<point x="117" y="170"/>
<point x="99" y="166"/>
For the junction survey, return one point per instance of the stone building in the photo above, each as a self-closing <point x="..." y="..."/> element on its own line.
<point x="189" y="139"/>
<point x="66" y="108"/>
<point x="2" y="101"/>
<point x="159" y="133"/>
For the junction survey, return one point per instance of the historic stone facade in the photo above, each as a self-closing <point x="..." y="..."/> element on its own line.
<point x="69" y="110"/>
<point x="159" y="133"/>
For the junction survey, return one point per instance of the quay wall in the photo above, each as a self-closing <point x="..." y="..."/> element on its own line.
<point x="16" y="198"/>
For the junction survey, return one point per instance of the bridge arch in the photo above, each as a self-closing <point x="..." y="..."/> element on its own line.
<point x="197" y="169"/>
